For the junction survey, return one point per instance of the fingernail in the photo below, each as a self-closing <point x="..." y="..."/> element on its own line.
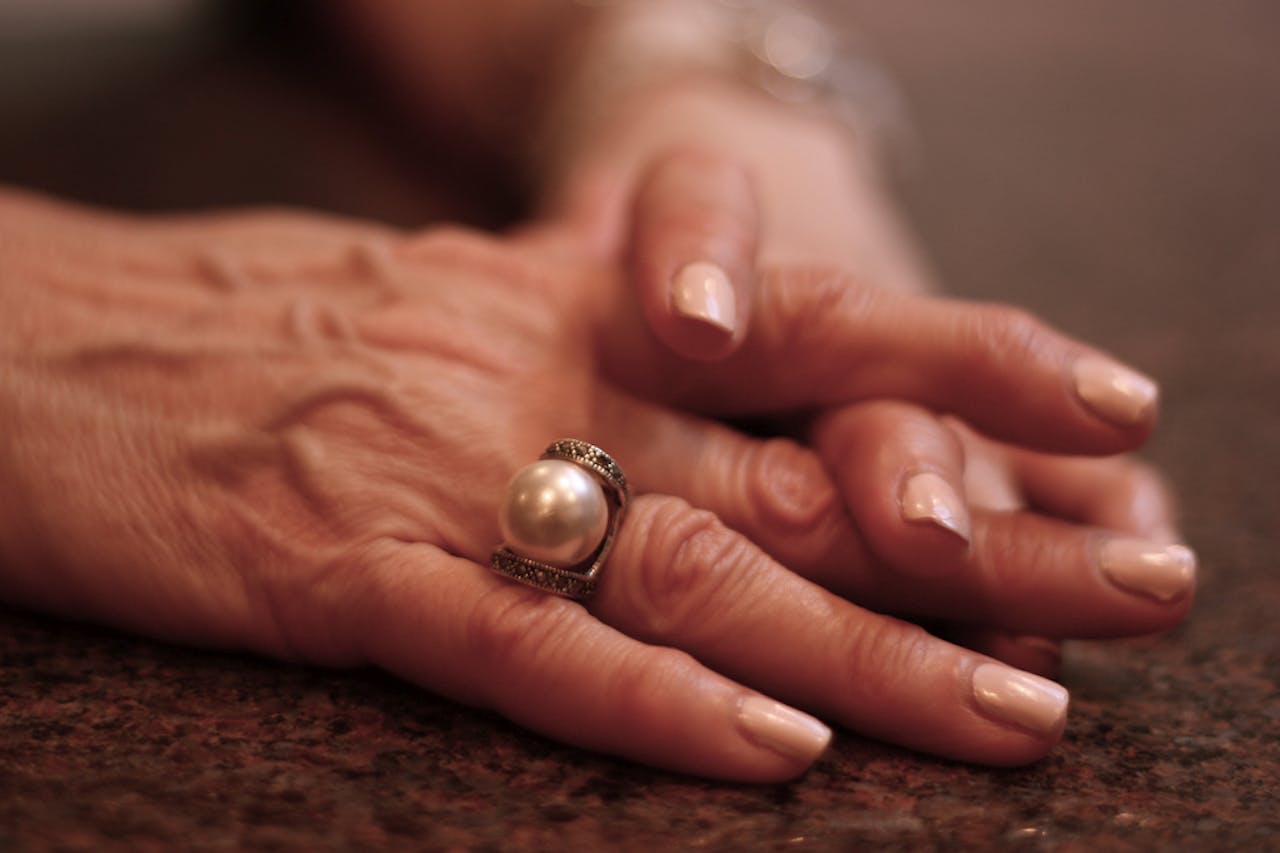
<point x="928" y="497"/>
<point x="1162" y="572"/>
<point x="1020" y="698"/>
<point x="1112" y="391"/>
<point x="702" y="291"/>
<point x="783" y="728"/>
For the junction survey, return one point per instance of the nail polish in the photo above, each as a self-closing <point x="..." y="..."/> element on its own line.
<point x="1162" y="572"/>
<point x="782" y="728"/>
<point x="1020" y="698"/>
<point x="1114" y="392"/>
<point x="702" y="291"/>
<point x="928" y="497"/>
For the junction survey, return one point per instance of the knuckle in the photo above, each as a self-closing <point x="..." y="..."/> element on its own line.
<point x="645" y="680"/>
<point x="510" y="623"/>
<point x="445" y="242"/>
<point x="714" y="227"/>
<point x="810" y="310"/>
<point x="1009" y="335"/>
<point x="791" y="491"/>
<point x="695" y="195"/>
<point x="699" y="225"/>
<point x="687" y="558"/>
<point x="471" y="253"/>
<point x="699" y="175"/>
<point x="883" y="653"/>
<point x="1018" y="558"/>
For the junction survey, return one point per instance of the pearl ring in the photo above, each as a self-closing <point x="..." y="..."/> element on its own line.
<point x="560" y="517"/>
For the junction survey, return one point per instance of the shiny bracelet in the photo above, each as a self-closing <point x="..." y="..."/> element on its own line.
<point x="791" y="50"/>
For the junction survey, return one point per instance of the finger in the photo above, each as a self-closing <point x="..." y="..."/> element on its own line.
<point x="1023" y="573"/>
<point x="901" y="473"/>
<point x="1031" y="575"/>
<point x="776" y="492"/>
<point x="1120" y="493"/>
<point x="545" y="663"/>
<point x="692" y="251"/>
<point x="820" y="339"/>
<point x="680" y="577"/>
<point x="988" y="482"/>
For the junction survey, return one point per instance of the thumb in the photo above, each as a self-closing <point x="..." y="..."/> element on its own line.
<point x="692" y="248"/>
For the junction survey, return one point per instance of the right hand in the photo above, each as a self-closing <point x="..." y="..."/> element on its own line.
<point x="696" y="204"/>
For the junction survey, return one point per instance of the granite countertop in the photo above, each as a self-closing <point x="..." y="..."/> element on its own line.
<point x="1117" y="171"/>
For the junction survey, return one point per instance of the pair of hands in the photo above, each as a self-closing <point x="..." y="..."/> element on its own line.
<point x="290" y="433"/>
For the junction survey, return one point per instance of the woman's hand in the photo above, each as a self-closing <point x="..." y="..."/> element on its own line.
<point x="290" y="434"/>
<point x="698" y="186"/>
<point x="710" y="174"/>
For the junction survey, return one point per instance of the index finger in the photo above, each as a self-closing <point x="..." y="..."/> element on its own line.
<point x="819" y="338"/>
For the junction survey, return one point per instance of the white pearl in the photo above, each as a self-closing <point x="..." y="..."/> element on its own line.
<point x="555" y="512"/>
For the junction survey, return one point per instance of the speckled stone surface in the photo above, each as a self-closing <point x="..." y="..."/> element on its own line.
<point x="1116" y="170"/>
<point x="110" y="741"/>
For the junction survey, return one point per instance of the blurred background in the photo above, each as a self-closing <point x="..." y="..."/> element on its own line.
<point x="1113" y="166"/>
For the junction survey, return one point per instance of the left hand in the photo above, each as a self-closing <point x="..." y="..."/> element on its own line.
<point x="289" y="434"/>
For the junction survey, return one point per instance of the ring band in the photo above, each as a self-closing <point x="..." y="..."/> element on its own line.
<point x="560" y="519"/>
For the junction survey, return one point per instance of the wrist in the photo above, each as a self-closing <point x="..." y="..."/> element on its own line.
<point x="775" y="57"/>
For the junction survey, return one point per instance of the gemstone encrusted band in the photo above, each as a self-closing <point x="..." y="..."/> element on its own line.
<point x="576" y="581"/>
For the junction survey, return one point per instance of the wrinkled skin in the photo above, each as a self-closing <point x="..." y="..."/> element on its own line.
<point x="290" y="433"/>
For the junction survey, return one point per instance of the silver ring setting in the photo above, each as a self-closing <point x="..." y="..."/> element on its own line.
<point x="560" y="517"/>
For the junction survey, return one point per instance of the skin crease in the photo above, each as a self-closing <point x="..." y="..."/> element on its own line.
<point x="815" y="193"/>
<point x="794" y="160"/>
<point x="286" y="395"/>
<point x="289" y="433"/>
<point x="708" y="128"/>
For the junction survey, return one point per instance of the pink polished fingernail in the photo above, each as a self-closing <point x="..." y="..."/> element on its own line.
<point x="782" y="728"/>
<point x="1114" y="392"/>
<point x="702" y="291"/>
<point x="1162" y="572"/>
<point x="928" y="497"/>
<point x="1020" y="698"/>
